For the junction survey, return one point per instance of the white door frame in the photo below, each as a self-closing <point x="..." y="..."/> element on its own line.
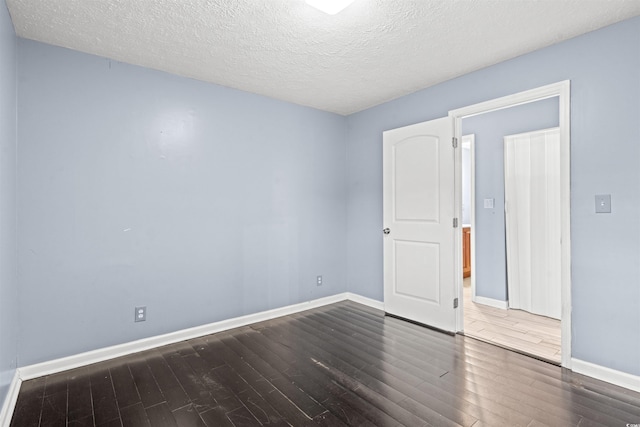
<point x="563" y="91"/>
<point x="471" y="140"/>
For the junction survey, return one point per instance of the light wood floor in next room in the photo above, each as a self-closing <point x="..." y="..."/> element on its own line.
<point x="515" y="329"/>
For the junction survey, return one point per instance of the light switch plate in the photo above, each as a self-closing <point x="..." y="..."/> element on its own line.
<point x="488" y="203"/>
<point x="603" y="203"/>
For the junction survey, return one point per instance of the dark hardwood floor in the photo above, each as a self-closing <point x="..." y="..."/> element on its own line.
<point x="343" y="364"/>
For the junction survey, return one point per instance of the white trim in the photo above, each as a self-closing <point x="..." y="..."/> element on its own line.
<point x="102" y="354"/>
<point x="10" y="400"/>
<point x="495" y="303"/>
<point x="378" y="305"/>
<point x="565" y="209"/>
<point x="619" y="378"/>
<point x="563" y="91"/>
<point x="513" y="100"/>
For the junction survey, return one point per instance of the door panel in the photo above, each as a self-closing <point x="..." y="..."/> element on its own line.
<point x="418" y="210"/>
<point x="416" y="187"/>
<point x="417" y="270"/>
<point x="532" y="195"/>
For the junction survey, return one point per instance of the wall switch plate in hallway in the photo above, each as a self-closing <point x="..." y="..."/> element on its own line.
<point x="141" y="314"/>
<point x="489" y="203"/>
<point x="603" y="203"/>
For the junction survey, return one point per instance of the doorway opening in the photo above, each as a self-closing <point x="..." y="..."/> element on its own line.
<point x="492" y="309"/>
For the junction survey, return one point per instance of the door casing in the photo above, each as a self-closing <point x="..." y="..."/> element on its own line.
<point x="562" y="90"/>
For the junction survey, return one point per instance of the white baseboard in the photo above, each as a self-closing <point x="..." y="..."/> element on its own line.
<point x="491" y="302"/>
<point x="100" y="355"/>
<point x="378" y="305"/>
<point x="619" y="378"/>
<point x="10" y="400"/>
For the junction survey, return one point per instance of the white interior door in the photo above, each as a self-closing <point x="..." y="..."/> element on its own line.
<point x="532" y="213"/>
<point x="418" y="216"/>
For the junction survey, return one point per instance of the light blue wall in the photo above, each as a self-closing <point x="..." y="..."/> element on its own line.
<point x="603" y="67"/>
<point x="8" y="275"/>
<point x="489" y="130"/>
<point x="137" y="187"/>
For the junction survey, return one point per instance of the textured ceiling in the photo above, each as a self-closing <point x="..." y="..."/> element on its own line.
<point x="372" y="52"/>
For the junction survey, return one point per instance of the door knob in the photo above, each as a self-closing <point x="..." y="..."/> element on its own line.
<point x="386" y="231"/>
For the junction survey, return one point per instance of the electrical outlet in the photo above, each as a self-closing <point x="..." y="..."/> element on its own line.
<point x="319" y="280"/>
<point x="141" y="314"/>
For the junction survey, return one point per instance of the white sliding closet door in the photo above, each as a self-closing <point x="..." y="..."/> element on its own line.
<point x="532" y="210"/>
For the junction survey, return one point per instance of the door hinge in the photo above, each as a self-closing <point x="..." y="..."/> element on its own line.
<point x="455" y="222"/>
<point x="454" y="142"/>
<point x="455" y="303"/>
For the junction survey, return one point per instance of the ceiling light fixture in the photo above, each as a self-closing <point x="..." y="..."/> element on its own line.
<point x="329" y="6"/>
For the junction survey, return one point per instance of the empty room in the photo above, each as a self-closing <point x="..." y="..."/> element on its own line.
<point x="306" y="212"/>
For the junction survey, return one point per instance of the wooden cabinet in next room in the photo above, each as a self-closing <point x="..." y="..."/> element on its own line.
<point x="466" y="251"/>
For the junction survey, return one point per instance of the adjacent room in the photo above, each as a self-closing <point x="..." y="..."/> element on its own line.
<point x="513" y="295"/>
<point x="291" y="212"/>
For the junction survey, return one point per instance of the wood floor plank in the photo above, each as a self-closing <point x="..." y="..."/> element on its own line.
<point x="160" y="416"/>
<point x="241" y="417"/>
<point x="124" y="386"/>
<point x="105" y="407"/>
<point x="400" y="392"/>
<point x="329" y="420"/>
<point x="274" y="368"/>
<point x="230" y="379"/>
<point x="482" y="357"/>
<point x="190" y="382"/>
<point x="244" y="392"/>
<point x="609" y="411"/>
<point x="390" y="324"/>
<point x="371" y="412"/>
<point x="168" y="384"/>
<point x="148" y="389"/>
<point x="217" y="416"/>
<point x="56" y="384"/>
<point x="472" y="352"/>
<point x="188" y="416"/>
<point x="211" y="356"/>
<point x="134" y="416"/>
<point x="79" y="405"/>
<point x="54" y="409"/>
<point x="82" y="422"/>
<point x="116" y="422"/>
<point x="29" y="404"/>
<point x="283" y="404"/>
<point x="295" y="370"/>
<point x="345" y="413"/>
<point x="380" y="401"/>
<point x="318" y="386"/>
